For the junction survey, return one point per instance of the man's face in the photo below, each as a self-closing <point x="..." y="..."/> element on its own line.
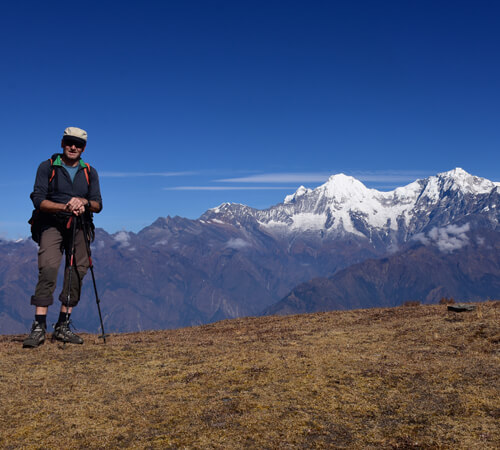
<point x="71" y="150"/>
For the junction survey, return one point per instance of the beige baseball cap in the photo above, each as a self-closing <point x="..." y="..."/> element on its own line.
<point x="75" y="133"/>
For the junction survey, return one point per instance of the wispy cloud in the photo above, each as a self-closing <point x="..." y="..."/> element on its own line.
<point x="392" y="176"/>
<point x="144" y="174"/>
<point x="280" y="178"/>
<point x="230" y="188"/>
<point x="252" y="181"/>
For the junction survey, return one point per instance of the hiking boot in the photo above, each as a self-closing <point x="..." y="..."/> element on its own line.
<point x="64" y="334"/>
<point x="36" y="337"/>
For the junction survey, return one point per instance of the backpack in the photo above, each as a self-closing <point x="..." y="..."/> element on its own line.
<point x="36" y="221"/>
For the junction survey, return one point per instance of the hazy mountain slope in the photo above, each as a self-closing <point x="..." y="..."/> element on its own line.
<point x="423" y="273"/>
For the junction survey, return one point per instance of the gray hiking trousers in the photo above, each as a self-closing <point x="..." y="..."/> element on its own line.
<point x="52" y="245"/>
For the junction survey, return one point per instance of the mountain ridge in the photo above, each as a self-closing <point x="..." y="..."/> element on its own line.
<point x="343" y="205"/>
<point x="237" y="261"/>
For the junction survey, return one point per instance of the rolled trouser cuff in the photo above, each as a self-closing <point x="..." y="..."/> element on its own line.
<point x="73" y="300"/>
<point x="39" y="301"/>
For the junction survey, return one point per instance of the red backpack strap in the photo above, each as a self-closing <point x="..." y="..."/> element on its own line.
<point x="53" y="170"/>
<point x="86" y="169"/>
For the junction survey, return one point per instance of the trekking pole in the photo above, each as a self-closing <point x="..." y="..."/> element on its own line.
<point x="71" y="224"/>
<point x="86" y="236"/>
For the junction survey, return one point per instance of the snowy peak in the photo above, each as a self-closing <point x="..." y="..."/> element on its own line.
<point x="341" y="187"/>
<point x="229" y="213"/>
<point x="301" y="191"/>
<point x="345" y="205"/>
<point x="454" y="181"/>
<point x="459" y="179"/>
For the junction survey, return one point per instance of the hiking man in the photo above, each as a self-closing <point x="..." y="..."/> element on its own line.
<point x="65" y="187"/>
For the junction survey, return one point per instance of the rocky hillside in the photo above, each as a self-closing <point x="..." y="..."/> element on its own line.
<point x="424" y="273"/>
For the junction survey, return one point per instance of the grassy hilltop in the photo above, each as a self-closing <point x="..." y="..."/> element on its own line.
<point x="403" y="377"/>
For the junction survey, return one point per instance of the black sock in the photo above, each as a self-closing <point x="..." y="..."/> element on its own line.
<point x="41" y="319"/>
<point x="62" y="317"/>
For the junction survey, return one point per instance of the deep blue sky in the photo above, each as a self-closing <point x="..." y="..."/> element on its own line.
<point x="180" y="97"/>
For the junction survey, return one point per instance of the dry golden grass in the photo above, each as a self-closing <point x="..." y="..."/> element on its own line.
<point x="417" y="377"/>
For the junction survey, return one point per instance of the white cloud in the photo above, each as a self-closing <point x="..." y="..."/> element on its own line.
<point x="228" y="188"/>
<point x="420" y="237"/>
<point x="123" y="238"/>
<point x="143" y="174"/>
<point x="392" y="176"/>
<point x="97" y="245"/>
<point x="280" y="178"/>
<point x="447" y="239"/>
<point x="237" y="243"/>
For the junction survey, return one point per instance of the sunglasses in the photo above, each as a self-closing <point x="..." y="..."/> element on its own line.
<point x="76" y="142"/>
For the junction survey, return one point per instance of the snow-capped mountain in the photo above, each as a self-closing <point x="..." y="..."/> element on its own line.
<point x="344" y="205"/>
